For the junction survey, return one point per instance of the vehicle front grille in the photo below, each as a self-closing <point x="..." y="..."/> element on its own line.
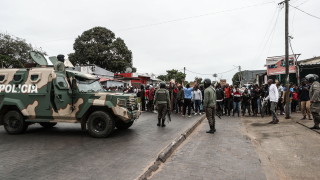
<point x="132" y="103"/>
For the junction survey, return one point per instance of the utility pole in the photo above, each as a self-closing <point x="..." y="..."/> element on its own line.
<point x="240" y="77"/>
<point x="286" y="3"/>
<point x="184" y="72"/>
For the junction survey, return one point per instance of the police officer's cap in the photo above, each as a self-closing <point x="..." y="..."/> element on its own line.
<point x="60" y="57"/>
<point x="207" y="83"/>
<point x="162" y="85"/>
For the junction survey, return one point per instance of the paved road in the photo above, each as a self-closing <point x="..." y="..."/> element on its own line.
<point x="226" y="155"/>
<point x="65" y="152"/>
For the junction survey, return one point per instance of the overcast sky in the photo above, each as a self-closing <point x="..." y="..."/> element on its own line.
<point x="205" y="36"/>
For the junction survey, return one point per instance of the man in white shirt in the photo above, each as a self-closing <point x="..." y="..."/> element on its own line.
<point x="273" y="97"/>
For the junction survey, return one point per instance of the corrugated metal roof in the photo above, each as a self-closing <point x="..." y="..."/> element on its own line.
<point x="310" y="62"/>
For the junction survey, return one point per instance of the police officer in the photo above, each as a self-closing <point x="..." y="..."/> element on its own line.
<point x="162" y="101"/>
<point x="60" y="65"/>
<point x="314" y="94"/>
<point x="209" y="104"/>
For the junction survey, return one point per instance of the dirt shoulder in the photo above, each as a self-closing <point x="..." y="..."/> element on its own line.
<point x="287" y="150"/>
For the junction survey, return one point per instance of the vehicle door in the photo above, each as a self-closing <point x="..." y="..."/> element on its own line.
<point x="62" y="97"/>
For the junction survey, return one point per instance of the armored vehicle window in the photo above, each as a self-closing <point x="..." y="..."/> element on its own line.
<point x="17" y="77"/>
<point x="61" y="82"/>
<point x="34" y="77"/>
<point x="86" y="85"/>
<point x="2" y="78"/>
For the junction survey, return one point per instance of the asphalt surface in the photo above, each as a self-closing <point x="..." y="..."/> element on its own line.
<point x="65" y="152"/>
<point x="227" y="155"/>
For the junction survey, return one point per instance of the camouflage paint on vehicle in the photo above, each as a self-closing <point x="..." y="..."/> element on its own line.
<point x="45" y="95"/>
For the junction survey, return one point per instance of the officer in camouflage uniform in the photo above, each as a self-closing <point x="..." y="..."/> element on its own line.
<point x="60" y="65"/>
<point x="314" y="94"/>
<point x="209" y="104"/>
<point x="162" y="101"/>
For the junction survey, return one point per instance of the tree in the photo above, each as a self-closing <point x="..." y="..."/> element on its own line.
<point x="173" y="74"/>
<point x="99" y="46"/>
<point x="198" y="80"/>
<point x="235" y="78"/>
<point x="176" y="75"/>
<point x="14" y="51"/>
<point x="163" y="77"/>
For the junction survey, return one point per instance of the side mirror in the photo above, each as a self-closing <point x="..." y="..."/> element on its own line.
<point x="74" y="85"/>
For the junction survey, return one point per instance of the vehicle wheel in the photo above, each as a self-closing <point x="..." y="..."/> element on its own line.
<point x="47" y="124"/>
<point x="14" y="122"/>
<point x="100" y="124"/>
<point x="122" y="125"/>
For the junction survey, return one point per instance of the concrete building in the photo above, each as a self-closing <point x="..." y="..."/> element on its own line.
<point x="250" y="76"/>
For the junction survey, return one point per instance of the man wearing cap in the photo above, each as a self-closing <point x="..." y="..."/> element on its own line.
<point x="209" y="104"/>
<point x="314" y="94"/>
<point x="162" y="101"/>
<point x="60" y="65"/>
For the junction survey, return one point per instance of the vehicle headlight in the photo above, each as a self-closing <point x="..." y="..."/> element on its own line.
<point x="121" y="102"/>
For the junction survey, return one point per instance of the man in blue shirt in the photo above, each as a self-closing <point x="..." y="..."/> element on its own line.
<point x="187" y="100"/>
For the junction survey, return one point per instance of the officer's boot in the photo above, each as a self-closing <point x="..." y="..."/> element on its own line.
<point x="159" y="120"/>
<point x="212" y="130"/>
<point x="316" y="126"/>
<point x="163" y="125"/>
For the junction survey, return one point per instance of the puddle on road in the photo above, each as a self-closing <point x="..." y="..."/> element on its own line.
<point x="259" y="124"/>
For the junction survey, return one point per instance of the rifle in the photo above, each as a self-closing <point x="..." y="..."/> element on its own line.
<point x="169" y="116"/>
<point x="218" y="114"/>
<point x="168" y="109"/>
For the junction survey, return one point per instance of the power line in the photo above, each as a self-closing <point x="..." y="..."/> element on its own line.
<point x="302" y="3"/>
<point x="211" y="73"/>
<point x="271" y="33"/>
<point x="175" y="20"/>
<point x="193" y="17"/>
<point x="305" y="12"/>
<point x="265" y="35"/>
<point x="291" y="46"/>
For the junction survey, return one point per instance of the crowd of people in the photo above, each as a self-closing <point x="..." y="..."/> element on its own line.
<point x="231" y="99"/>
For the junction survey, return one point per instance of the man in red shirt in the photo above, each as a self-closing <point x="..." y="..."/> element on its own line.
<point x="227" y="98"/>
<point x="236" y="101"/>
<point x="150" y="97"/>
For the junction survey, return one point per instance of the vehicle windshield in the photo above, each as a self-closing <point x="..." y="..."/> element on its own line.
<point x="89" y="86"/>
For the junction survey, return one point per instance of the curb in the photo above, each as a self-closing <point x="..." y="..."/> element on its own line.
<point x="307" y="127"/>
<point x="168" y="150"/>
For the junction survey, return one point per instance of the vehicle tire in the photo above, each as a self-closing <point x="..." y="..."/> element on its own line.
<point x="100" y="124"/>
<point x="122" y="125"/>
<point x="48" y="124"/>
<point x="14" y="122"/>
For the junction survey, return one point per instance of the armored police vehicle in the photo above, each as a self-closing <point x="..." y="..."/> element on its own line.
<point x="46" y="96"/>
